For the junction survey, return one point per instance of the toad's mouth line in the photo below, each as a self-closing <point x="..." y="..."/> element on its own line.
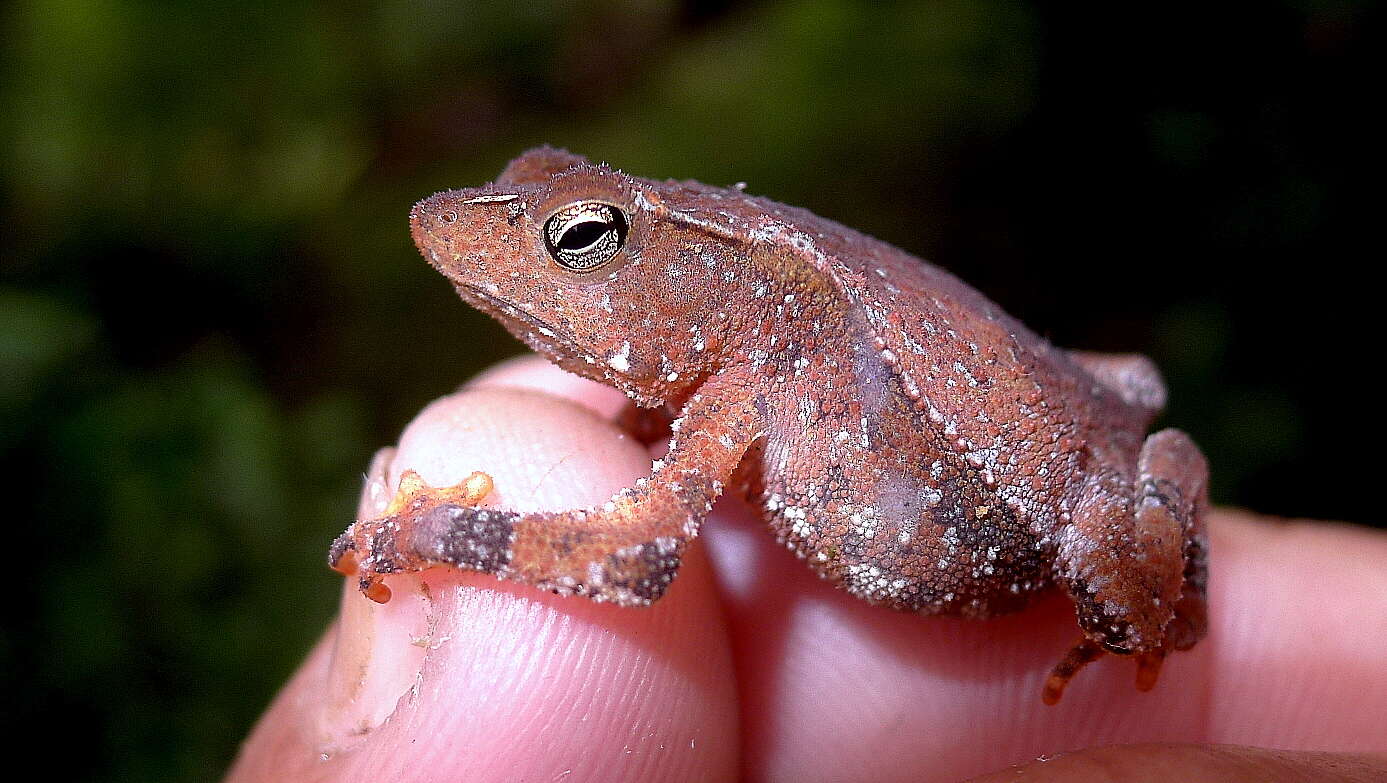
<point x="509" y="311"/>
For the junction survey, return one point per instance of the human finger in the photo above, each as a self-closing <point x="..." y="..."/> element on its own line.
<point x="1161" y="763"/>
<point x="833" y="687"/>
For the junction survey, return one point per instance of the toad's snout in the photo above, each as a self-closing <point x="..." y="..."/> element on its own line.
<point x="431" y="215"/>
<point x="446" y="214"/>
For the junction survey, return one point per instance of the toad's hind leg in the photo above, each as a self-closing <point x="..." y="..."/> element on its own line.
<point x="1138" y="574"/>
<point x="1173" y="489"/>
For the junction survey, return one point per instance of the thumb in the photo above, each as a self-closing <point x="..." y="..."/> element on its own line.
<point x="464" y="677"/>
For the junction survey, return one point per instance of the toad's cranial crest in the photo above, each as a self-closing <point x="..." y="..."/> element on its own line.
<point x="912" y="442"/>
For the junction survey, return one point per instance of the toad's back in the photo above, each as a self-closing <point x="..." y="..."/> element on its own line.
<point x="945" y="449"/>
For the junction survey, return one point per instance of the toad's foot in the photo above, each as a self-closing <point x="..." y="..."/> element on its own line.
<point x="626" y="551"/>
<point x="1139" y="574"/>
<point x="372" y="548"/>
<point x="1086" y="651"/>
<point x="1186" y="628"/>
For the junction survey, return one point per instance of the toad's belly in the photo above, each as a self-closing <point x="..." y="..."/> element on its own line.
<point x="908" y="543"/>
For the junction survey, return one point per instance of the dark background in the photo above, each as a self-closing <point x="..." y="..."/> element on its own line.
<point x="211" y="313"/>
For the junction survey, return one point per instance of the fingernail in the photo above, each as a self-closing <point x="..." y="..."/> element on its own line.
<point x="373" y="663"/>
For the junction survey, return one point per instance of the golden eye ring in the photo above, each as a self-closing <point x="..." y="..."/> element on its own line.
<point x="586" y="235"/>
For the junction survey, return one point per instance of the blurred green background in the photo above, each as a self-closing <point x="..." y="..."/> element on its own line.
<point x="211" y="313"/>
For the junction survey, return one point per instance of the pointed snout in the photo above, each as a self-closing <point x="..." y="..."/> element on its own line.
<point x="448" y="212"/>
<point x="430" y="215"/>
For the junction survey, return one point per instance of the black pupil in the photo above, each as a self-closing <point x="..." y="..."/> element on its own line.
<point x="582" y="235"/>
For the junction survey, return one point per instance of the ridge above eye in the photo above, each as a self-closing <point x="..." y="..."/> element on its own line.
<point x="586" y="235"/>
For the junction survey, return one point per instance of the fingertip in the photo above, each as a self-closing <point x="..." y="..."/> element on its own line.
<point x="542" y="452"/>
<point x="535" y="373"/>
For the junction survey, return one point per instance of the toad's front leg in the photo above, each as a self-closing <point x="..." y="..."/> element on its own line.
<point x="626" y="551"/>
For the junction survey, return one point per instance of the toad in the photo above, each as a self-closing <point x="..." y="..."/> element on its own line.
<point x="907" y="439"/>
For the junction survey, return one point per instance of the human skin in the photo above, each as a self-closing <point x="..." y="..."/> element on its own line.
<point x="751" y="668"/>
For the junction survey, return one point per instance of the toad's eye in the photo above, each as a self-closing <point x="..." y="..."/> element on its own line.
<point x="586" y="235"/>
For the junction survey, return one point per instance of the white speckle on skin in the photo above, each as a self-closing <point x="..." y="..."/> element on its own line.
<point x="621" y="361"/>
<point x="596" y="575"/>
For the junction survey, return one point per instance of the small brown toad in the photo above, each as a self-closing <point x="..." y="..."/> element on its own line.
<point x="905" y="437"/>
